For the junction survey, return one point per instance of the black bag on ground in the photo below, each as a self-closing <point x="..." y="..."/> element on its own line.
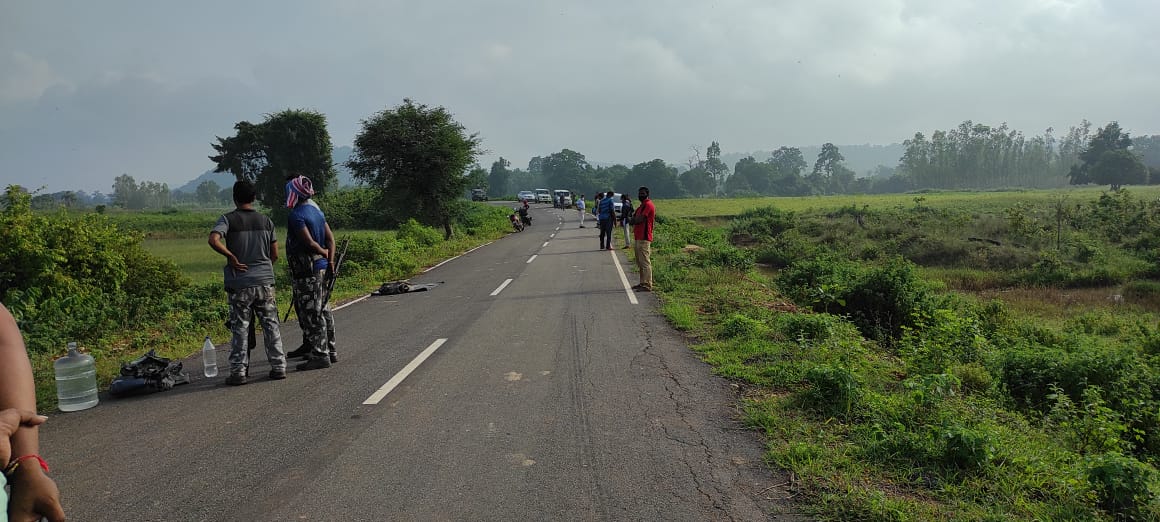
<point x="147" y="374"/>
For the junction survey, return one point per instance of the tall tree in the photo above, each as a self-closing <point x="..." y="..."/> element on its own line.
<point x="829" y="159"/>
<point x="660" y="179"/>
<point x="477" y="178"/>
<point x="697" y="181"/>
<point x="1108" y="160"/>
<point x="569" y="170"/>
<point x="286" y="143"/>
<point x="499" y="179"/>
<point x="716" y="168"/>
<point x="788" y="163"/>
<point x="207" y="192"/>
<point x="416" y="157"/>
<point x="125" y="191"/>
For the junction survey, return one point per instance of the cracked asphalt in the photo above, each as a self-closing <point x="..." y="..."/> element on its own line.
<point x="555" y="399"/>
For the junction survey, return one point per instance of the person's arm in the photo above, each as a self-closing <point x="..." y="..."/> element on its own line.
<point x="215" y="242"/>
<point x="274" y="251"/>
<point x="34" y="494"/>
<point x="311" y="244"/>
<point x="330" y="246"/>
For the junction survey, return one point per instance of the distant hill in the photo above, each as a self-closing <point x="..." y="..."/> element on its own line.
<point x="225" y="179"/>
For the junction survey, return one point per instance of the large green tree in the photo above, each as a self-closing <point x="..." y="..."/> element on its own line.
<point x="499" y="179"/>
<point x="717" y="168"/>
<point x="286" y="143"/>
<point x="660" y="178"/>
<point x="1109" y="160"/>
<point x="697" y="181"/>
<point x="207" y="192"/>
<point x="788" y="163"/>
<point x="566" y="169"/>
<point x="417" y="157"/>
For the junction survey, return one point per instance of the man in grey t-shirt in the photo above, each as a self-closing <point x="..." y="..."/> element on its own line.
<point x="250" y="248"/>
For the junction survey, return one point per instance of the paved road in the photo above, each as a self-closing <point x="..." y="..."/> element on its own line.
<point x="561" y="396"/>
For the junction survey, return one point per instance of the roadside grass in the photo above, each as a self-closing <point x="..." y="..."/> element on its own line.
<point x="954" y="417"/>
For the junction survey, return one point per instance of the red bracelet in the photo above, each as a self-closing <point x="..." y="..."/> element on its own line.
<point x="15" y="463"/>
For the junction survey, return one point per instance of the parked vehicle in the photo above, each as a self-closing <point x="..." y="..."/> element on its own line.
<point x="567" y="195"/>
<point x="543" y="196"/>
<point x="478" y="194"/>
<point x="527" y="195"/>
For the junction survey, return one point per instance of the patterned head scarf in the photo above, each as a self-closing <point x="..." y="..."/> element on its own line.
<point x="298" y="188"/>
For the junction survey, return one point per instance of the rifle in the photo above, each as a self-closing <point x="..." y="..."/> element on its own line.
<point x="332" y="272"/>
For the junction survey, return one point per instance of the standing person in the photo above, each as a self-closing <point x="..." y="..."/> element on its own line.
<point x="33" y="494"/>
<point x="307" y="233"/>
<point x="626" y="217"/>
<point x="642" y="235"/>
<point x="303" y="349"/>
<point x="605" y="216"/>
<point x="580" y="209"/>
<point x="250" y="248"/>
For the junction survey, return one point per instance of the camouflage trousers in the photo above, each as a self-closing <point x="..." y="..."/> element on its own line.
<point x="315" y="319"/>
<point x="244" y="304"/>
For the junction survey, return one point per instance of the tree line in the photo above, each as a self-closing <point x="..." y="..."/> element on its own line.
<point x="415" y="161"/>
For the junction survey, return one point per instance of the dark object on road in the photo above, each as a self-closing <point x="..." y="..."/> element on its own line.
<point x="402" y="287"/>
<point x="478" y="194"/>
<point x="147" y="374"/>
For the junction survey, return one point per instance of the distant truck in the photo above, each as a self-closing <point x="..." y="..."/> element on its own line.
<point x="543" y="196"/>
<point x="478" y="194"/>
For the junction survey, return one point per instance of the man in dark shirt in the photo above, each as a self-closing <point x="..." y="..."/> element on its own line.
<point x="250" y="248"/>
<point x="310" y="252"/>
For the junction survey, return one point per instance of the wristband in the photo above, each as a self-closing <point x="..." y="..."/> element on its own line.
<point x="15" y="463"/>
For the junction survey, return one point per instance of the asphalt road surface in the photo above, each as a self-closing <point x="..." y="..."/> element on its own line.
<point x="530" y="384"/>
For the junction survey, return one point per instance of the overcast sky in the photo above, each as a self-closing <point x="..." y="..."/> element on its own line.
<point x="93" y="89"/>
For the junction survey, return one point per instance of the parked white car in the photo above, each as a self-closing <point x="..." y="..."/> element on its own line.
<point x="543" y="196"/>
<point x="527" y="195"/>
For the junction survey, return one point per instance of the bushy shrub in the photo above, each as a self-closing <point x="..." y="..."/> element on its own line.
<point x="966" y="448"/>
<point x="784" y="249"/>
<point x="832" y="390"/>
<point x="67" y="278"/>
<point x="412" y="231"/>
<point x="738" y="325"/>
<point x="879" y="299"/>
<point x="725" y="256"/>
<point x="1122" y="484"/>
<point x="761" y="224"/>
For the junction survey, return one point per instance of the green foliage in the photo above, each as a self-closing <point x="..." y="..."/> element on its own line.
<point x="879" y="299"/>
<point x="354" y="208"/>
<point x="411" y="231"/>
<point x="833" y="390"/>
<point x="1088" y="428"/>
<point x="1124" y="485"/>
<point x="738" y="325"/>
<point x="762" y="224"/>
<point x="287" y="143"/>
<point x="416" y="157"/>
<point x="64" y="277"/>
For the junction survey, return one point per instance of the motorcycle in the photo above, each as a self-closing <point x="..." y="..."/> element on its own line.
<point x="516" y="224"/>
<point x="524" y="217"/>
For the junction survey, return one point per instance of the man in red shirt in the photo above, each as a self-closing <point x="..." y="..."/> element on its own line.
<point x="642" y="234"/>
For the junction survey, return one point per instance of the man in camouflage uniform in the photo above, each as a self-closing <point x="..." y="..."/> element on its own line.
<point x="310" y="252"/>
<point x="303" y="350"/>
<point x="250" y="248"/>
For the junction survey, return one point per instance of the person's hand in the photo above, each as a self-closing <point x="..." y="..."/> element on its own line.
<point x="10" y="421"/>
<point x="238" y="266"/>
<point x="34" y="495"/>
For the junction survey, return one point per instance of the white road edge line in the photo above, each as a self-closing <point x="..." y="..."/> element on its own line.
<point x="623" y="279"/>
<point x="398" y="378"/>
<point x="533" y="258"/>
<point x="344" y="305"/>
<point x="448" y="260"/>
<point x="501" y="287"/>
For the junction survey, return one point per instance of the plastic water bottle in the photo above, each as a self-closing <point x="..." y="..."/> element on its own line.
<point x="76" y="380"/>
<point x="209" y="358"/>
